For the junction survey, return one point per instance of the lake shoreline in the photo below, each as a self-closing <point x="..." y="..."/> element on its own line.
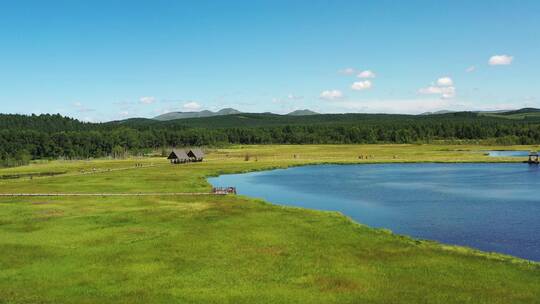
<point x="448" y="246"/>
<point x="232" y="245"/>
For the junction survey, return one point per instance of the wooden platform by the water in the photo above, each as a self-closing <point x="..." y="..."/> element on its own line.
<point x="224" y="190"/>
<point x="534" y="158"/>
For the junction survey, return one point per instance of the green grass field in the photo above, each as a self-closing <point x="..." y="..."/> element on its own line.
<point x="230" y="249"/>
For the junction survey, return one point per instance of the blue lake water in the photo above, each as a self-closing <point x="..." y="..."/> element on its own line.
<point x="508" y="153"/>
<point x="492" y="207"/>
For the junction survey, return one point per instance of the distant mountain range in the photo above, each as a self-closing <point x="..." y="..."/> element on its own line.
<point x="205" y="113"/>
<point x="437" y="112"/>
<point x="520" y="113"/>
<point x="505" y="112"/>
<point x="222" y="112"/>
<point x="304" y="112"/>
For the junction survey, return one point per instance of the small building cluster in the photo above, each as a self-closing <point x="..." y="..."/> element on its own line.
<point x="224" y="190"/>
<point x="533" y="158"/>
<point x="181" y="156"/>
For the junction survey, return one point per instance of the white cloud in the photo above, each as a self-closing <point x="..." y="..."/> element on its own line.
<point x="191" y="106"/>
<point x="147" y="100"/>
<point x="347" y="71"/>
<point x="287" y="99"/>
<point x="430" y="90"/>
<point x="448" y="92"/>
<point x="366" y="74"/>
<point x="501" y="60"/>
<point x="124" y="113"/>
<point x="82" y="108"/>
<point x="471" y="69"/>
<point x="294" y="97"/>
<point x="445" y="82"/>
<point x="443" y="87"/>
<point x="361" y="85"/>
<point x="445" y="92"/>
<point x="331" y="95"/>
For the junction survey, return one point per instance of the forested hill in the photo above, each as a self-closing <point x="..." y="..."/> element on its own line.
<point x="51" y="136"/>
<point x="45" y="122"/>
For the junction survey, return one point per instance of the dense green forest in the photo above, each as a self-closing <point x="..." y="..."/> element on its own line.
<point x="23" y="138"/>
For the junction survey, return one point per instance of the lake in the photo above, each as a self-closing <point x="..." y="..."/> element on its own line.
<point x="492" y="207"/>
<point x="508" y="153"/>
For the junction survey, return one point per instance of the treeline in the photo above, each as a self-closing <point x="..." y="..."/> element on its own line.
<point x="23" y="138"/>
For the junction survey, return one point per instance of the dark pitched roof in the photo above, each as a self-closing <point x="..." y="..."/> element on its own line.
<point x="178" y="154"/>
<point x="197" y="152"/>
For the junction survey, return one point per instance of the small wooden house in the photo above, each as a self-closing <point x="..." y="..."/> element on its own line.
<point x="196" y="154"/>
<point x="178" y="156"/>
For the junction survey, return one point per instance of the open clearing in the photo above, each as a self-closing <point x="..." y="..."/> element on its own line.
<point x="106" y="194"/>
<point x="230" y="249"/>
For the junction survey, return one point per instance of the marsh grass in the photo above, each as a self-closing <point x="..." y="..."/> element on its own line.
<point x="231" y="249"/>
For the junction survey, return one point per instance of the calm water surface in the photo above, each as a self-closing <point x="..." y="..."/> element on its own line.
<point x="508" y="153"/>
<point x="493" y="207"/>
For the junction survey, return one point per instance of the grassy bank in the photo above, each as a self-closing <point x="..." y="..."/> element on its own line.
<point x="230" y="249"/>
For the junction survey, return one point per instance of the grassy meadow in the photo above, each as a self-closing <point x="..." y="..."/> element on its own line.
<point x="230" y="249"/>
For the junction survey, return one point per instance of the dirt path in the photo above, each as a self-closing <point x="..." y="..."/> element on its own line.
<point x="106" y="170"/>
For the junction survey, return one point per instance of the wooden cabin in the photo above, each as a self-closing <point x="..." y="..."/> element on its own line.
<point x="181" y="156"/>
<point x="196" y="154"/>
<point x="178" y="156"/>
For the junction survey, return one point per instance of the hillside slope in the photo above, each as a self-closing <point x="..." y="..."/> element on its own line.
<point x="205" y="113"/>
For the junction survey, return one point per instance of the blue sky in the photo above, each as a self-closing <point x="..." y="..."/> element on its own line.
<point x="104" y="60"/>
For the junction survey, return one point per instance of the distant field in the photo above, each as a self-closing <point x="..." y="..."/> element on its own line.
<point x="231" y="249"/>
<point x="517" y="116"/>
<point x="522" y="114"/>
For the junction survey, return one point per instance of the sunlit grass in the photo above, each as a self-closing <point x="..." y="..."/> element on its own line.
<point x="231" y="249"/>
